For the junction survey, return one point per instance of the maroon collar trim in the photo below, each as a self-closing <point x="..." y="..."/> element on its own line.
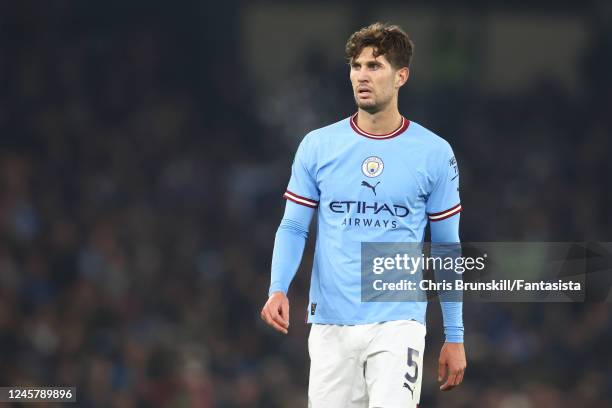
<point x="396" y="132"/>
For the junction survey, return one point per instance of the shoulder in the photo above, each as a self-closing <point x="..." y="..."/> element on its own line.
<point x="431" y="140"/>
<point x="321" y="139"/>
<point x="437" y="151"/>
<point x="322" y="134"/>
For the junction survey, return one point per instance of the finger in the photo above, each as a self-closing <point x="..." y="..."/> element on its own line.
<point x="265" y="315"/>
<point x="273" y="312"/>
<point x="278" y="327"/>
<point x="448" y="385"/>
<point x="274" y="324"/>
<point x="441" y="371"/>
<point x="279" y="320"/>
<point x="278" y="316"/>
<point x="285" y="311"/>
<point x="459" y="379"/>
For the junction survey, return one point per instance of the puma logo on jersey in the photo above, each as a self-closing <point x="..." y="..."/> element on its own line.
<point x="366" y="184"/>
<point x="410" y="388"/>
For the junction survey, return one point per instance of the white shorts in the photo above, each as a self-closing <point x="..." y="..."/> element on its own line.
<point x="366" y="365"/>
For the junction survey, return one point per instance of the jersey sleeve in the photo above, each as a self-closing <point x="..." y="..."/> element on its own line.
<point x="442" y="204"/>
<point x="289" y="246"/>
<point x="302" y="188"/>
<point x="442" y="233"/>
<point x="443" y="201"/>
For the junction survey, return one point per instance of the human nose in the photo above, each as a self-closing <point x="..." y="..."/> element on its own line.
<point x="363" y="77"/>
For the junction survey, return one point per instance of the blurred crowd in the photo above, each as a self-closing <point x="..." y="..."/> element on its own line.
<point x="140" y="190"/>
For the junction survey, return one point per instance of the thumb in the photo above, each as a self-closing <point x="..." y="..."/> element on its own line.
<point x="284" y="309"/>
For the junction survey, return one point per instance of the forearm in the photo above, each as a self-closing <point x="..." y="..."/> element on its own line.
<point x="447" y="232"/>
<point x="286" y="256"/>
<point x="452" y="313"/>
<point x="289" y="246"/>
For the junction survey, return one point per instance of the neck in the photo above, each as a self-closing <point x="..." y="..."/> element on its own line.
<point x="381" y="122"/>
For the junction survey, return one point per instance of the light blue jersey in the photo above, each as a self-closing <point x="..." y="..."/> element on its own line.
<point x="367" y="188"/>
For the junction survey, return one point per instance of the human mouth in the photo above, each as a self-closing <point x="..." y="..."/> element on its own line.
<point x="364" y="92"/>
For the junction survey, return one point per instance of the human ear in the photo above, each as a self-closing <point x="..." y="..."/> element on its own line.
<point x="401" y="76"/>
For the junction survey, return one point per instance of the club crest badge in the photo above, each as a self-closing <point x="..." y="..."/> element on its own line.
<point x="372" y="166"/>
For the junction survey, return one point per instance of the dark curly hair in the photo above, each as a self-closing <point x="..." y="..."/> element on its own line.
<point x="388" y="40"/>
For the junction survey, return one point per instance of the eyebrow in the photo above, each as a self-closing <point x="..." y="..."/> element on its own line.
<point x="370" y="63"/>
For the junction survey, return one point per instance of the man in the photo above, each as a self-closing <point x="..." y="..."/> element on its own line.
<point x="375" y="177"/>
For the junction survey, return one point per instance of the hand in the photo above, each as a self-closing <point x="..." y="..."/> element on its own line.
<point x="276" y="312"/>
<point x="451" y="362"/>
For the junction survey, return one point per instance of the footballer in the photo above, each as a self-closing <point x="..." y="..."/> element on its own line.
<point x="374" y="177"/>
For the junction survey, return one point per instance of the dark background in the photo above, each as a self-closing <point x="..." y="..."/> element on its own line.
<point x="145" y="148"/>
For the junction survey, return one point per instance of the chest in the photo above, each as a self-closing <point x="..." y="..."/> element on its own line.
<point x="384" y="172"/>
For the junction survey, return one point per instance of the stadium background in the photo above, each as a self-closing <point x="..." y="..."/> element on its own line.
<point x="145" y="147"/>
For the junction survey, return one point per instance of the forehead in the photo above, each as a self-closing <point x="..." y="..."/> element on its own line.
<point x="367" y="54"/>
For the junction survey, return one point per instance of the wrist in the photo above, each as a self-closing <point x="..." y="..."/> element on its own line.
<point x="453" y="334"/>
<point x="274" y="292"/>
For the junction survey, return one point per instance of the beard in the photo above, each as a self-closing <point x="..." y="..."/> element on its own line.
<point x="371" y="105"/>
<point x="368" y="106"/>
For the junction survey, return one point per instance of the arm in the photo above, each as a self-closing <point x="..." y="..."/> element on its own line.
<point x="447" y="231"/>
<point x="302" y="198"/>
<point x="452" y="362"/>
<point x="289" y="246"/>
<point x="286" y="257"/>
<point x="443" y="208"/>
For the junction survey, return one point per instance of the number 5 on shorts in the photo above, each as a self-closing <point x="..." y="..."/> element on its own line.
<point x="412" y="362"/>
